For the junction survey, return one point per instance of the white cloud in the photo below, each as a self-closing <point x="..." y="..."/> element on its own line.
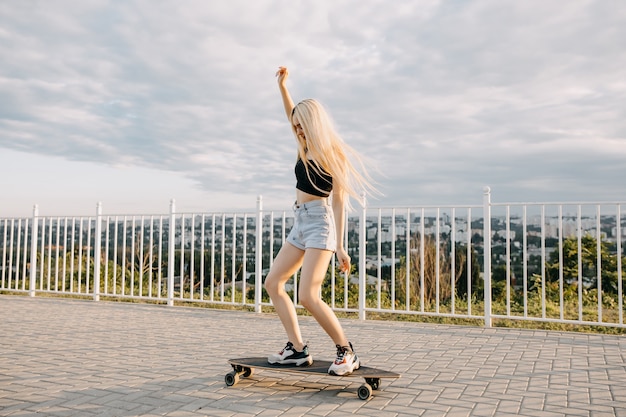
<point x="444" y="96"/>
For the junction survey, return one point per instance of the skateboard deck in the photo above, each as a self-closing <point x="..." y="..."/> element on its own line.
<point x="244" y="367"/>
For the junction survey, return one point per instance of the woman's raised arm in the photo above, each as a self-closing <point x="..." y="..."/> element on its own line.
<point x="282" y="75"/>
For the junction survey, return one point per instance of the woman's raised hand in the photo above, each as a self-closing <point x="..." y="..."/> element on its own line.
<point x="282" y="75"/>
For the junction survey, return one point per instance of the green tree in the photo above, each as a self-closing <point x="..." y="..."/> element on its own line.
<point x="588" y="262"/>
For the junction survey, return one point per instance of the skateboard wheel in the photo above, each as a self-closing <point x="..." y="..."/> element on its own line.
<point x="364" y="392"/>
<point x="373" y="382"/>
<point x="231" y="378"/>
<point x="247" y="372"/>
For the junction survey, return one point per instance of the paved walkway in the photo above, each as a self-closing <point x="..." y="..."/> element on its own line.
<point x="61" y="357"/>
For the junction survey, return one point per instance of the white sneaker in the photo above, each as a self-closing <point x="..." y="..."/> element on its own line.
<point x="290" y="356"/>
<point x="346" y="362"/>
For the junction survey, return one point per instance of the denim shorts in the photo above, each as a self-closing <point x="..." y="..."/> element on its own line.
<point x="314" y="226"/>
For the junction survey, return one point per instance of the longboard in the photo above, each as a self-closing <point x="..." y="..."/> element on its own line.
<point x="244" y="367"/>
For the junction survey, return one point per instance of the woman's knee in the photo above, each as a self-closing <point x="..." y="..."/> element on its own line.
<point x="270" y="285"/>
<point x="273" y="284"/>
<point x="308" y="301"/>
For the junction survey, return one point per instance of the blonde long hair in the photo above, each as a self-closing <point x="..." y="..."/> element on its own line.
<point x="324" y="146"/>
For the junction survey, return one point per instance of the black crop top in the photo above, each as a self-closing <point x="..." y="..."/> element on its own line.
<point x="315" y="183"/>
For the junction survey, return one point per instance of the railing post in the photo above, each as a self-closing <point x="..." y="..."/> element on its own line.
<point x="487" y="253"/>
<point x="258" y="262"/>
<point x="170" y="253"/>
<point x="96" y="253"/>
<point x="33" y="251"/>
<point x="362" y="256"/>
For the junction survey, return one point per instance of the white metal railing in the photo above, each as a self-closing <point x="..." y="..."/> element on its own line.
<point x="554" y="262"/>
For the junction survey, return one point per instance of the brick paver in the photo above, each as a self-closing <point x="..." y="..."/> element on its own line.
<point x="61" y="357"/>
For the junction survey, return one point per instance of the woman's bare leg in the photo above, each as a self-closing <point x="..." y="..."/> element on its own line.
<point x="314" y="267"/>
<point x="286" y="263"/>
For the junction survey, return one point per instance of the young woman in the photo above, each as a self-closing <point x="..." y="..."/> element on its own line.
<point x="325" y="180"/>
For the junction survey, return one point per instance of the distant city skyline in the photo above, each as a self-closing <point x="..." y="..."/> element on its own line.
<point x="133" y="104"/>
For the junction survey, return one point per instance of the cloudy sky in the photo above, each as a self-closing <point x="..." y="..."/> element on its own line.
<point x="135" y="102"/>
